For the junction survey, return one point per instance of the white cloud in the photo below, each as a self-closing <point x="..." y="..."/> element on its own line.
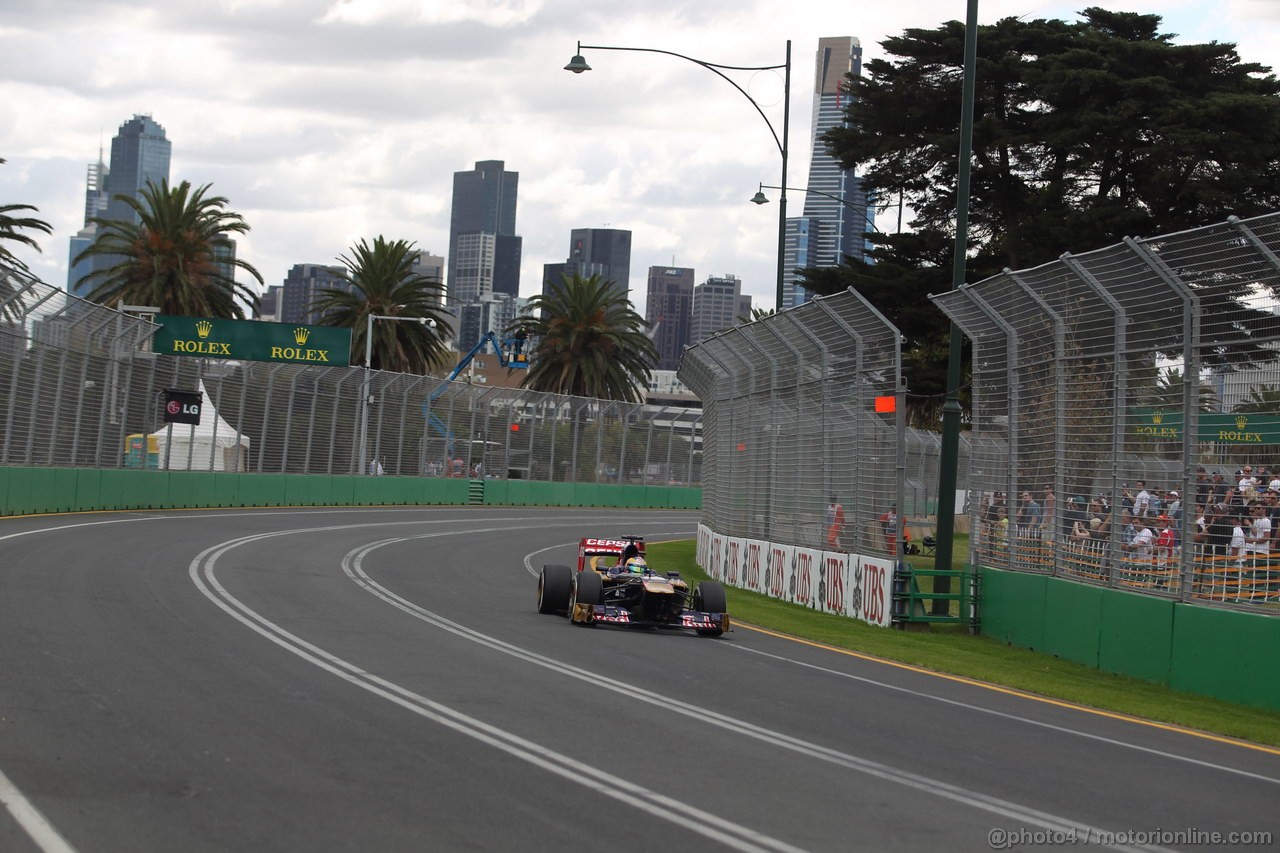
<point x="324" y="121"/>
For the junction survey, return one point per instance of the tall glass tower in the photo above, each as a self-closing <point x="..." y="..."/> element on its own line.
<point x="139" y="153"/>
<point x="484" y="251"/>
<point x="834" y="226"/>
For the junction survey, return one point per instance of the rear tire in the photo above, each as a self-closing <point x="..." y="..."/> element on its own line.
<point x="709" y="597"/>
<point x="554" y="586"/>
<point x="587" y="589"/>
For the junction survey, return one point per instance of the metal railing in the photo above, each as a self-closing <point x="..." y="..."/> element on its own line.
<point x="79" y="387"/>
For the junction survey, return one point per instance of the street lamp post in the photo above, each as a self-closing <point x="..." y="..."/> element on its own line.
<point x="950" y="451"/>
<point x="578" y="64"/>
<point x="364" y="395"/>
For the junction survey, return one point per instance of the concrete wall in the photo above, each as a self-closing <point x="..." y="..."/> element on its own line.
<point x="1226" y="654"/>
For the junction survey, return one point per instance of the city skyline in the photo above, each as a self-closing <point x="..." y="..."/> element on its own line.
<point x="343" y="121"/>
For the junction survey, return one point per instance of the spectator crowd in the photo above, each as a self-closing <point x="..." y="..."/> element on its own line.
<point x="1233" y="522"/>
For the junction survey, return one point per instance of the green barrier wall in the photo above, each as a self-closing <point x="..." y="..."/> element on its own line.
<point x="25" y="491"/>
<point x="1226" y="654"/>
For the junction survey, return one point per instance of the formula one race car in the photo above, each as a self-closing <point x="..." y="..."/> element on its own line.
<point x="614" y="585"/>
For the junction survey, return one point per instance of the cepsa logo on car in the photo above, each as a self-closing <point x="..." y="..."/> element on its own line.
<point x="605" y="543"/>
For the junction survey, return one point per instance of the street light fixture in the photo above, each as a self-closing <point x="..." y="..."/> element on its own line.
<point x="761" y="198"/>
<point x="578" y="64"/>
<point x="364" y="395"/>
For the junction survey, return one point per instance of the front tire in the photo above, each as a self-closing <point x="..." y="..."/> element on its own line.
<point x="587" y="589"/>
<point x="555" y="583"/>
<point x="709" y="597"/>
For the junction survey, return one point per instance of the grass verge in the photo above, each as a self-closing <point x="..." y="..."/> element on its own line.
<point x="952" y="650"/>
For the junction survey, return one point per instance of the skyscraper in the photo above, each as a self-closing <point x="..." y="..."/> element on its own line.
<point x="303" y="284"/>
<point x="605" y="252"/>
<point x="835" y="228"/>
<point x="139" y="153"/>
<point x="718" y="303"/>
<point x="95" y="205"/>
<point x="669" y="310"/>
<point x="484" y="251"/>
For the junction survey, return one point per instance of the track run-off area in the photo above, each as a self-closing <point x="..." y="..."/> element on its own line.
<point x="379" y="679"/>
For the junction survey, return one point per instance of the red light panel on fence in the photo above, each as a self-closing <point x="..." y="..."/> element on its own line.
<point x="742" y="445"/>
<point x="886" y="404"/>
<point x="515" y="427"/>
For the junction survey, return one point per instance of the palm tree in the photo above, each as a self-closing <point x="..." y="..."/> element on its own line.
<point x="756" y="314"/>
<point x="1263" y="399"/>
<point x="173" y="257"/>
<point x="1163" y="389"/>
<point x="10" y="228"/>
<point x="383" y="282"/>
<point x="589" y="342"/>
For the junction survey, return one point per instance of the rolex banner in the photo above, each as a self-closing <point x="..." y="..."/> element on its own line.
<point x="1222" y="427"/>
<point x="252" y="340"/>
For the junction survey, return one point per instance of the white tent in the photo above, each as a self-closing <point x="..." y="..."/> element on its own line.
<point x="211" y="445"/>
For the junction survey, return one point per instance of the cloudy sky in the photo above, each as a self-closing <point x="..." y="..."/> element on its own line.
<point x="327" y="121"/>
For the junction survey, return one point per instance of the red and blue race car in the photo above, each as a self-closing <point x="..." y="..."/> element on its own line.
<point x="614" y="585"/>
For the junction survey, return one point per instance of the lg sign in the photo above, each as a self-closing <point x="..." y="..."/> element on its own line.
<point x="182" y="407"/>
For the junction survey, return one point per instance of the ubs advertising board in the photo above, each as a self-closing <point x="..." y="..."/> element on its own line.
<point x="252" y="340"/>
<point x="844" y="584"/>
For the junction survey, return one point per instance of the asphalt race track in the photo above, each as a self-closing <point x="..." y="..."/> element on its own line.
<point x="379" y="680"/>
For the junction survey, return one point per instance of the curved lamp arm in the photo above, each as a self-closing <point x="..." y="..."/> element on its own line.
<point x="578" y="64"/>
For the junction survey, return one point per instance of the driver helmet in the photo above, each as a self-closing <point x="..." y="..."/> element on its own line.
<point x="637" y="565"/>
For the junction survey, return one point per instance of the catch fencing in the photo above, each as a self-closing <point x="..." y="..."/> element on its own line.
<point x="790" y="421"/>
<point x="1109" y="389"/>
<point x="79" y="387"/>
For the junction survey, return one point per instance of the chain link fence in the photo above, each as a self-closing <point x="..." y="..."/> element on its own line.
<point x="790" y="421"/>
<point x="1126" y="415"/>
<point x="79" y="387"/>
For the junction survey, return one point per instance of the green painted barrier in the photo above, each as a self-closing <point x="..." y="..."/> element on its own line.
<point x="1074" y="624"/>
<point x="1136" y="635"/>
<point x="1227" y="654"/>
<point x="342" y="489"/>
<point x="110" y="489"/>
<point x="88" y="488"/>
<point x="145" y="490"/>
<point x="562" y="494"/>
<point x="632" y="496"/>
<point x="66" y="482"/>
<point x="518" y="492"/>
<point x="1013" y="607"/>
<point x="23" y="496"/>
<point x="496" y="492"/>
<point x="226" y="489"/>
<point x="24" y="491"/>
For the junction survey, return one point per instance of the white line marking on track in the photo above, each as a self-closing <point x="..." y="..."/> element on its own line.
<point x="43" y="833"/>
<point x="1006" y="715"/>
<point x="711" y="826"/>
<point x="352" y="565"/>
<point x="29" y="818"/>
